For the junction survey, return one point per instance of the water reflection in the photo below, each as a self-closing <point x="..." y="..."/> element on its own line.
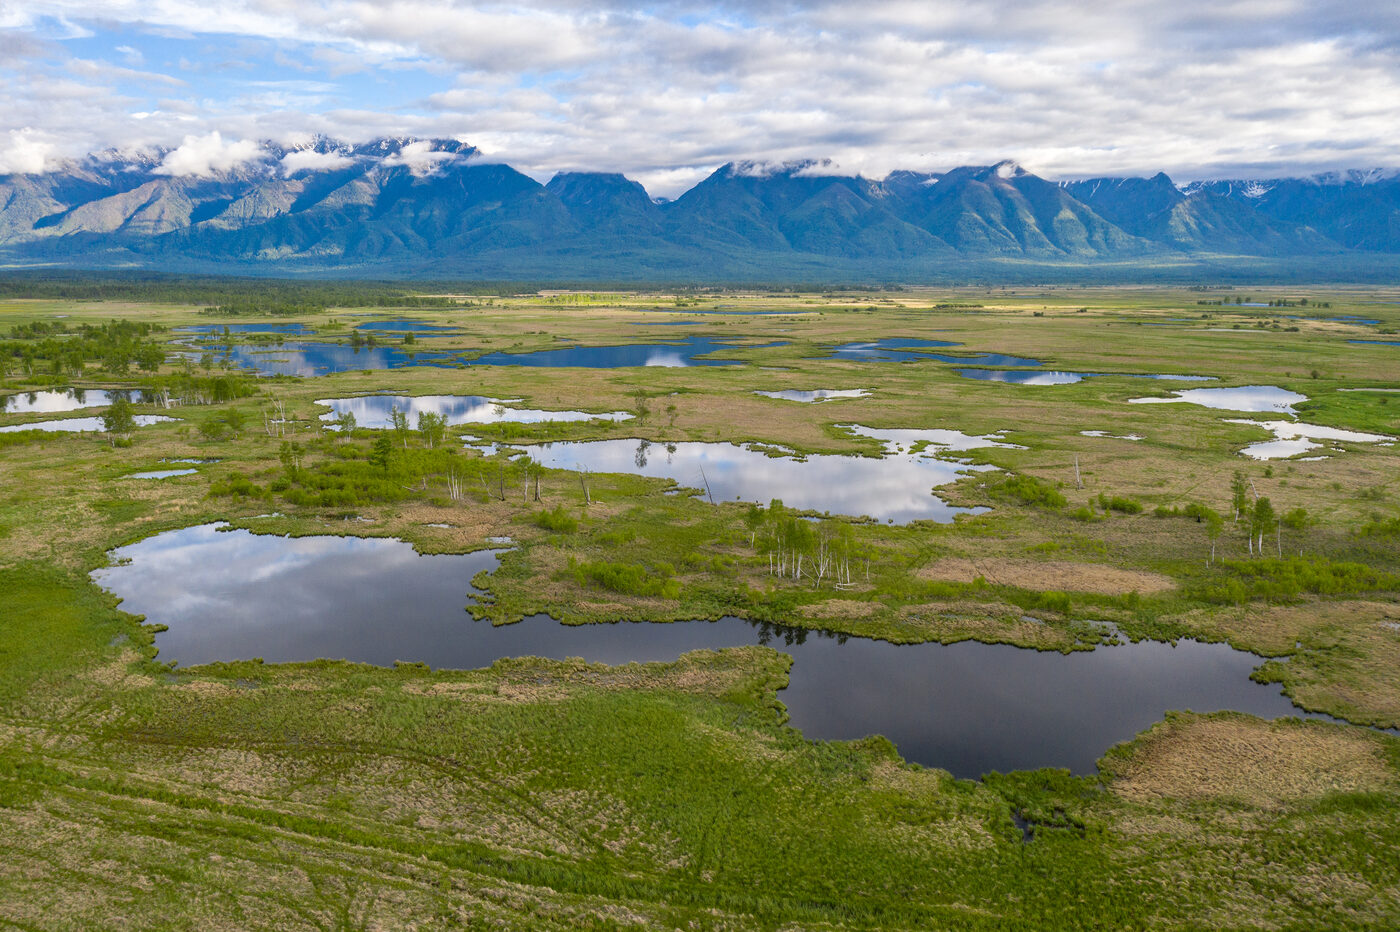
<point x="1292" y="438"/>
<point x="55" y="401"/>
<point x="1241" y="398"/>
<point x="1068" y="378"/>
<point x="403" y="326"/>
<point x="894" y="488"/>
<point x="969" y="708"/>
<point x="303" y="358"/>
<point x="686" y="352"/>
<point x="375" y="410"/>
<point x="245" y="328"/>
<point x="895" y="349"/>
<point x="306" y="359"/>
<point x="820" y="394"/>
<point x="80" y="424"/>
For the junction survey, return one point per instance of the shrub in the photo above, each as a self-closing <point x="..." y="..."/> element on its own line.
<point x="557" y="519"/>
<point x="627" y="578"/>
<point x="1028" y="490"/>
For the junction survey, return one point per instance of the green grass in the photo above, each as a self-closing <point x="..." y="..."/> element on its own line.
<point x="538" y="794"/>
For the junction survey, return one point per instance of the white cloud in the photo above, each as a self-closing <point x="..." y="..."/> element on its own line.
<point x="205" y="155"/>
<point x="666" y="91"/>
<point x="26" y="153"/>
<point x="421" y="158"/>
<point x="311" y="160"/>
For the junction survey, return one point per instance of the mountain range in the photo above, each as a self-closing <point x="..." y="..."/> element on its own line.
<point x="414" y="207"/>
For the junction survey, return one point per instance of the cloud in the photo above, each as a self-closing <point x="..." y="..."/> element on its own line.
<point x="25" y="154"/>
<point x="311" y="160"/>
<point x="421" y="158"/>
<point x="667" y="91"/>
<point x="202" y="156"/>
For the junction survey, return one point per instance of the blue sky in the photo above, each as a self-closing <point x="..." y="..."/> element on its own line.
<point x="666" y="92"/>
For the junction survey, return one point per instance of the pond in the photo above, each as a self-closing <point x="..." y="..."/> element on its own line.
<point x="686" y="352"/>
<point x="306" y="358"/>
<point x="303" y="358"/>
<point x="895" y="488"/>
<point x="1377" y="342"/>
<point x="969" y="708"/>
<point x="1066" y="378"/>
<point x="374" y="410"/>
<point x="54" y="401"/>
<point x="1292" y="438"/>
<point x="404" y="326"/>
<point x="79" y="424"/>
<point x="896" y="349"/>
<point x="161" y="474"/>
<point x="1242" y="398"/>
<point x="244" y="328"/>
<point x="820" y="394"/>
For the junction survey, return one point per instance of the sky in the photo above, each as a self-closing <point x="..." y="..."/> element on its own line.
<point x="666" y="92"/>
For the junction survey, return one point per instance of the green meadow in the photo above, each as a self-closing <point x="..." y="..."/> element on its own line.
<point x="539" y="794"/>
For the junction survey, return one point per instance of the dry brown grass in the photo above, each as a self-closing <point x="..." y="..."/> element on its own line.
<point x="1263" y="764"/>
<point x="1049" y="575"/>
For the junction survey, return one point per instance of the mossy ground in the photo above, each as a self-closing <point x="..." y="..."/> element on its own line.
<point x="539" y="794"/>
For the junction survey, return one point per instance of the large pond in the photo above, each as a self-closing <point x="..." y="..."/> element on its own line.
<point x="375" y="410"/>
<point x="691" y="351"/>
<point x="245" y="328"/>
<point x="305" y="358"/>
<point x="896" y="487"/>
<point x="969" y="708"/>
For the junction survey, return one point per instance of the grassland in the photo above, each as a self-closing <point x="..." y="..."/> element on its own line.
<point x="540" y="794"/>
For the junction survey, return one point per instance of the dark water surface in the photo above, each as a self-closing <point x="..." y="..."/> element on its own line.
<point x="968" y="708"/>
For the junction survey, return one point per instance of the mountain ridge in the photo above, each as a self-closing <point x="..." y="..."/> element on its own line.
<point x="403" y="204"/>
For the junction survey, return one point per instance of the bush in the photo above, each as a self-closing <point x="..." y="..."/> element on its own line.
<point x="1280" y="580"/>
<point x="627" y="578"/>
<point x="1127" y="506"/>
<point x="1028" y="490"/>
<point x="557" y="519"/>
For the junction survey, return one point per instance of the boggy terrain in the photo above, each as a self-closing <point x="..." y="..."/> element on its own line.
<point x="140" y="791"/>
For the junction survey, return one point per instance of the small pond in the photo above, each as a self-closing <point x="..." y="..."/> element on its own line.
<point x="820" y="394"/>
<point x="1243" y="398"/>
<point x="78" y="424"/>
<point x="161" y="474"/>
<point x="56" y="401"/>
<point x="969" y="708"/>
<point x="1066" y="378"/>
<point x="894" y="488"/>
<point x="1292" y="438"/>
<point x="374" y="410"/>
<point x="1377" y="342"/>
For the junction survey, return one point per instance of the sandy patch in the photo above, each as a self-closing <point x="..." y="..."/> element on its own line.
<point x="1049" y="575"/>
